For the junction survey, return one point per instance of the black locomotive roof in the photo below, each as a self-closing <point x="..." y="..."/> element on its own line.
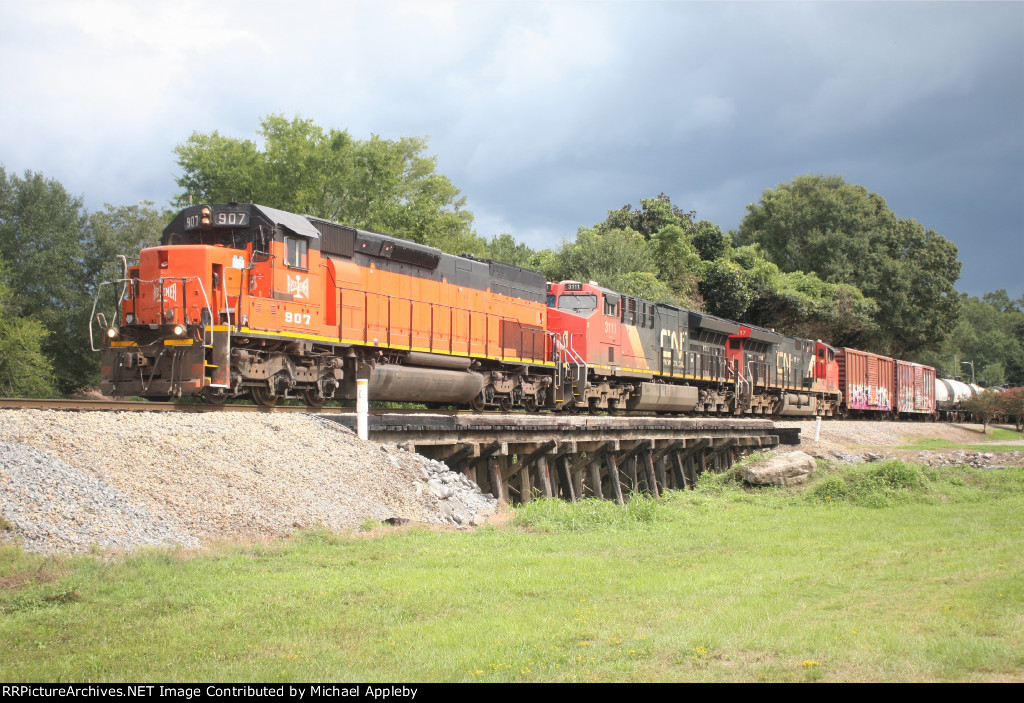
<point x="760" y="334"/>
<point x="297" y="224"/>
<point x="712" y="323"/>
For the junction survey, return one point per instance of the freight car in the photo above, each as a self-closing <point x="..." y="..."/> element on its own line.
<point x="950" y="395"/>
<point x="882" y="387"/>
<point x="915" y="390"/>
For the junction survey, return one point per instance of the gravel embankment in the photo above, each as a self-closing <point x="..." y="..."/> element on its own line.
<point x="124" y="480"/>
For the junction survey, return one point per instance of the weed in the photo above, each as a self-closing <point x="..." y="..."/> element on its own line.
<point x="553" y="515"/>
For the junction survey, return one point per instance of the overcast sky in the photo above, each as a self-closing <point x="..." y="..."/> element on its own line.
<point x="548" y="114"/>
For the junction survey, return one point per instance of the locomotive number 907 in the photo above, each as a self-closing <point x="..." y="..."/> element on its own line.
<point x="220" y="219"/>
<point x="296" y="318"/>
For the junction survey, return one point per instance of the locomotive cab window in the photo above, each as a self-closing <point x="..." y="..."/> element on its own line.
<point x="577" y="302"/>
<point x="611" y="308"/>
<point x="296" y="253"/>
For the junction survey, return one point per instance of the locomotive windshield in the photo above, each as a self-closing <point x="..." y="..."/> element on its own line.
<point x="233" y="238"/>
<point x="577" y="302"/>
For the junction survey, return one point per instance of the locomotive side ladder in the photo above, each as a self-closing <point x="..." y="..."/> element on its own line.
<point x="743" y="390"/>
<point x="569" y="366"/>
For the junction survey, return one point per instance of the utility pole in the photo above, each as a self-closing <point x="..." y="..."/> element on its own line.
<point x="971" y="364"/>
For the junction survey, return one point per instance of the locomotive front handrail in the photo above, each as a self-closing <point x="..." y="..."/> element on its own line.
<point x="129" y="284"/>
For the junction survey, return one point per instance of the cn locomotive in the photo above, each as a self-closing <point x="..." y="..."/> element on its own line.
<point x="244" y="300"/>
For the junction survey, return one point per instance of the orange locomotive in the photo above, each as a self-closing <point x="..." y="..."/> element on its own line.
<point x="242" y="299"/>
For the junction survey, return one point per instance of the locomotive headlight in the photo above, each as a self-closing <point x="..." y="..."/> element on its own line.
<point x="206" y="217"/>
<point x="179" y="330"/>
<point x="112" y="333"/>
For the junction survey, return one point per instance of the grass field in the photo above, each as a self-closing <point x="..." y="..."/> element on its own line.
<point x="882" y="572"/>
<point x="985" y="442"/>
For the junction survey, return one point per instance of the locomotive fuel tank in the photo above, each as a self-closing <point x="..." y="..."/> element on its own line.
<point x="661" y="397"/>
<point x="422" y="385"/>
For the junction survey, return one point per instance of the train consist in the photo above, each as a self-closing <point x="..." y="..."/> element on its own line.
<point x="246" y="300"/>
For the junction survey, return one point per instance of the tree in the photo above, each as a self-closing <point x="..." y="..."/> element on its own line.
<point x="57" y="255"/>
<point x="846" y="235"/>
<point x="984" y="406"/>
<point x="378" y="184"/>
<point x="601" y="256"/>
<point x="653" y="216"/>
<point x="1012" y="406"/>
<point x="504" y="247"/>
<point x="25" y="371"/>
<point x="989" y="333"/>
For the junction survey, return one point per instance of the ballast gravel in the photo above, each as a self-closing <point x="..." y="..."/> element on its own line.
<point x="73" y="481"/>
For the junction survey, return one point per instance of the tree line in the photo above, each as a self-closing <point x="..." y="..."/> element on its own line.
<point x="816" y="257"/>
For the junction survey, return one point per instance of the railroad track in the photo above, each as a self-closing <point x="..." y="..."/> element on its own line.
<point x="156" y="407"/>
<point x="148" y="406"/>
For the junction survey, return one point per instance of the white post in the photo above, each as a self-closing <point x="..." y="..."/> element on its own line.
<point x="817" y="429"/>
<point x="363" y="408"/>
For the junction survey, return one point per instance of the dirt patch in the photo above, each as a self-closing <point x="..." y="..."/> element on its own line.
<point x="872" y="440"/>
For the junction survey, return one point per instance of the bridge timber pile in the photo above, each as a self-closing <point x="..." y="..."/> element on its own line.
<point x="518" y="456"/>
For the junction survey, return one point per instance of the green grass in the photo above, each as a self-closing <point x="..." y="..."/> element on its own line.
<point x="718" y="584"/>
<point x="984" y="442"/>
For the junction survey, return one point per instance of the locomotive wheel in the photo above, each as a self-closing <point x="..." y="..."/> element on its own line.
<point x="506" y="404"/>
<point x="262" y="396"/>
<point x="613" y="407"/>
<point x="478" y="404"/>
<point x="314" y="400"/>
<point x="214" y="396"/>
<point x="530" y="405"/>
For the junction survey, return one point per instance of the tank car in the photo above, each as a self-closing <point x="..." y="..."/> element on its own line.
<point x="949" y="397"/>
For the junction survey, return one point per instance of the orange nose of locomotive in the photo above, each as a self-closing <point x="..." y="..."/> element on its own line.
<point x="172" y="287"/>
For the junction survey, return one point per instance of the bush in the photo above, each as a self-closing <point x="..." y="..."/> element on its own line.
<point x="872" y="485"/>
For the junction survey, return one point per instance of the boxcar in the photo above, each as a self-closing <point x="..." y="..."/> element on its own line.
<point x="866" y="381"/>
<point x="915" y="389"/>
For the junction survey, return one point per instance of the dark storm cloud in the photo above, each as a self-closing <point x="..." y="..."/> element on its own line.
<point x="547" y="115"/>
<point x="920" y="103"/>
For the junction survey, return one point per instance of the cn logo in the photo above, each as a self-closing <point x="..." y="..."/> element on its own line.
<point x="299" y="286"/>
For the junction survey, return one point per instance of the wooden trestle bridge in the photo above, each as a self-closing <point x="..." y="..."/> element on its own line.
<point x="516" y="457"/>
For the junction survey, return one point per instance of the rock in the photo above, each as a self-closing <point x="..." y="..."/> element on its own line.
<point x="780" y="470"/>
